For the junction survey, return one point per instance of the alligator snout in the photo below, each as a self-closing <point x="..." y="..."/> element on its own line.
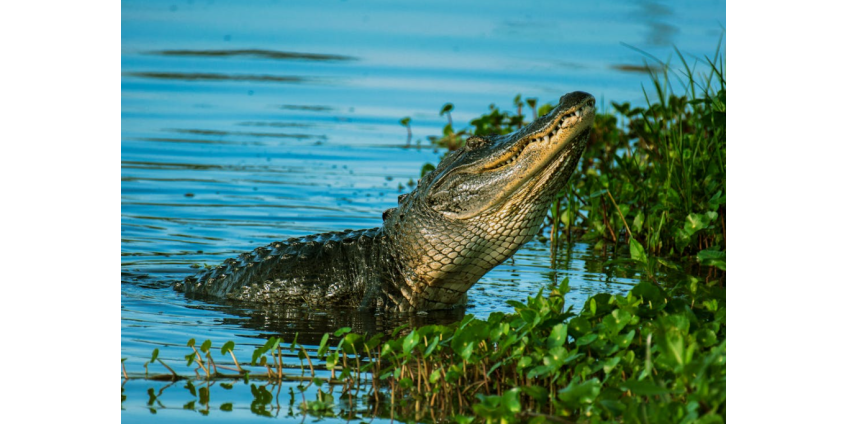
<point x="577" y="97"/>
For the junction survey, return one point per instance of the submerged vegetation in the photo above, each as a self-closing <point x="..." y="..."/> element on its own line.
<point x="652" y="181"/>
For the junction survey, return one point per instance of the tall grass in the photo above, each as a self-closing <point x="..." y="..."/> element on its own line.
<point x="657" y="173"/>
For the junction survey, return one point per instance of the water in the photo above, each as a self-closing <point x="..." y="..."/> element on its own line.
<point x="245" y="123"/>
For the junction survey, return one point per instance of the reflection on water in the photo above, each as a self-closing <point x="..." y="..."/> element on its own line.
<point x="646" y="69"/>
<point x="255" y="53"/>
<point x="246" y="123"/>
<point x="658" y="16"/>
<point x="197" y="76"/>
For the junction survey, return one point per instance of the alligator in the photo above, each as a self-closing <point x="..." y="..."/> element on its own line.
<point x="471" y="213"/>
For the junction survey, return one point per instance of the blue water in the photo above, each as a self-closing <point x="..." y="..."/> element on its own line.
<point x="249" y="122"/>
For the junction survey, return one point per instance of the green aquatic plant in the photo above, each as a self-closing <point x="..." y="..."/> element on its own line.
<point x="405" y="121"/>
<point x="657" y="173"/>
<point x="654" y="355"/>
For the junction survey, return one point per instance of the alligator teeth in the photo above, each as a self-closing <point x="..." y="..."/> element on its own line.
<point x="547" y="138"/>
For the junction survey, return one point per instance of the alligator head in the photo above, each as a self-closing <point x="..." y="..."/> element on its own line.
<point x="483" y="202"/>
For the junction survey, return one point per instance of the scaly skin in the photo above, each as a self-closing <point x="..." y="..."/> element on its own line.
<point x="467" y="216"/>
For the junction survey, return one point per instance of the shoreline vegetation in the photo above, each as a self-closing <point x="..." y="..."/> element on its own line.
<point x="652" y="183"/>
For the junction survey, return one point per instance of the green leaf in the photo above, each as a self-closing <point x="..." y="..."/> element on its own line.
<point x="340" y="331"/>
<point x="717" y="200"/>
<point x="558" y="336"/>
<point x="398" y="329"/>
<point x="462" y="419"/>
<point x="536" y="392"/>
<point x="577" y="394"/>
<point x="587" y="339"/>
<point x="270" y="344"/>
<point x="516" y="304"/>
<point x="671" y="338"/>
<point x="649" y="292"/>
<point x="434" y="344"/>
<point x="624" y="340"/>
<point x="638" y="222"/>
<point x="530" y="316"/>
<point x="681" y="238"/>
<point x="510" y="400"/>
<point x="563" y="287"/>
<point x="579" y="326"/>
<point x="713" y="258"/>
<point x="205" y="346"/>
<point x="435" y="376"/>
<point x="539" y="371"/>
<point x="155" y="355"/>
<point x="294" y="342"/>
<point x="227" y="406"/>
<point x="695" y="222"/>
<point x="637" y="252"/>
<point x="410" y="341"/>
<point x="555" y="357"/>
<point x="616" y="321"/>
<point x="643" y="388"/>
<point x="706" y="337"/>
<point x="323" y="347"/>
<point x="190" y="343"/>
<point x="610" y="364"/>
<point x="427" y="168"/>
<point x="228" y="346"/>
<point x="331" y="360"/>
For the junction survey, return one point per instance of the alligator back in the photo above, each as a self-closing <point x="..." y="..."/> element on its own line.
<point x="343" y="268"/>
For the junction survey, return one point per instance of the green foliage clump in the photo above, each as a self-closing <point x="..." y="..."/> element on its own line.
<point x="654" y="355"/>
<point x="645" y="357"/>
<point x="658" y="175"/>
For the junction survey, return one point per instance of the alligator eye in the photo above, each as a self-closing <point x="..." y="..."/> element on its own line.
<point x="475" y="142"/>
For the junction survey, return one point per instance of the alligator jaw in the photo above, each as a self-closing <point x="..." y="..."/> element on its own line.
<point x="567" y="125"/>
<point x="552" y="144"/>
<point x="488" y="173"/>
